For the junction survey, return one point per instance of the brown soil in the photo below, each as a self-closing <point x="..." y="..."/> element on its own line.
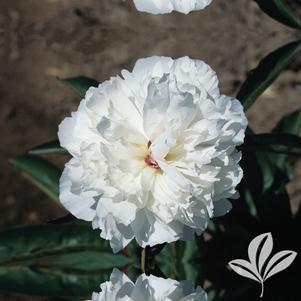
<point x="42" y="39"/>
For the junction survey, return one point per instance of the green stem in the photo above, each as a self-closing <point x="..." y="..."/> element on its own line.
<point x="143" y="260"/>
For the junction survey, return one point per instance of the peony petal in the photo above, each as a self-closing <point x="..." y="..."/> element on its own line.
<point x="75" y="130"/>
<point x="221" y="207"/>
<point x="176" y="176"/>
<point x="117" y="288"/>
<point x="167" y="6"/>
<point x="118" y="208"/>
<point x="149" y="230"/>
<point x="80" y="207"/>
<point x="118" y="234"/>
<point x="120" y="288"/>
<point x="154" y="153"/>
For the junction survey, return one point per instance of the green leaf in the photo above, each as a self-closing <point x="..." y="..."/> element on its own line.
<point x="56" y="260"/>
<point x="179" y="260"/>
<point x="49" y="282"/>
<point x="80" y="84"/>
<point x="266" y="72"/>
<point x="275" y="142"/>
<point x="266" y="188"/>
<point x="52" y="147"/>
<point x="40" y="172"/>
<point x="280" y="11"/>
<point x="267" y="169"/>
<point x="290" y="124"/>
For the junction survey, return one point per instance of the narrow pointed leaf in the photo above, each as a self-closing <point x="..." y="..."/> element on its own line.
<point x="279" y="262"/>
<point x="33" y="242"/>
<point x="280" y="143"/>
<point x="245" y="269"/>
<point x="267" y="190"/>
<point x="266" y="72"/>
<point x="40" y="172"/>
<point x="52" y="147"/>
<point x="280" y="11"/>
<point x="290" y="124"/>
<point x="267" y="169"/>
<point x="48" y="282"/>
<point x="55" y="260"/>
<point x="80" y="84"/>
<point x="179" y="260"/>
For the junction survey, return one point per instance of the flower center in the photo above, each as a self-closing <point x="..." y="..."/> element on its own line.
<point x="149" y="159"/>
<point x="151" y="162"/>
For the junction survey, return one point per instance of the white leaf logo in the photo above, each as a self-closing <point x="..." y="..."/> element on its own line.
<point x="259" y="268"/>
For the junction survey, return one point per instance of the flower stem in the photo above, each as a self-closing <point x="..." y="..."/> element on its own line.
<point x="143" y="260"/>
<point x="262" y="289"/>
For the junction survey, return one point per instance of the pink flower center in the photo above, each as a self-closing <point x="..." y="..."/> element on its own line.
<point x="149" y="159"/>
<point x="151" y="162"/>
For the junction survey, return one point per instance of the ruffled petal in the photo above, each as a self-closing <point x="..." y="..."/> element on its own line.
<point x="80" y="206"/>
<point x="154" y="152"/>
<point x="120" y="288"/>
<point x="167" y="6"/>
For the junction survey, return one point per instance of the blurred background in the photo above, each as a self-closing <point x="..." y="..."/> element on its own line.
<point x="41" y="40"/>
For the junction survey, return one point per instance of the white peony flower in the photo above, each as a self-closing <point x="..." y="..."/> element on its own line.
<point x="153" y="153"/>
<point x="147" y="288"/>
<point x="167" y="6"/>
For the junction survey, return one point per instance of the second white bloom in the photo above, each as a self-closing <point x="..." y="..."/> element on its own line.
<point x="153" y="153"/>
<point x="167" y="6"/>
<point x="147" y="288"/>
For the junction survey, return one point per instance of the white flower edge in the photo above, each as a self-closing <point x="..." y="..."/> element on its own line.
<point x="120" y="287"/>
<point x="122" y="221"/>
<point x="167" y="6"/>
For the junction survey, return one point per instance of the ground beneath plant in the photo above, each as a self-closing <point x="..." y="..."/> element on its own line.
<point x="44" y="39"/>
